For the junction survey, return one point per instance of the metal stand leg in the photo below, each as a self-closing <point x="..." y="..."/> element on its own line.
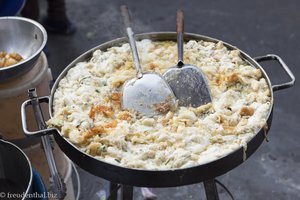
<point x="113" y="192"/>
<point x="127" y="192"/>
<point x="211" y="190"/>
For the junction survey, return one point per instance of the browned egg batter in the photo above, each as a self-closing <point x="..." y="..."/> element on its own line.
<point x="8" y="59"/>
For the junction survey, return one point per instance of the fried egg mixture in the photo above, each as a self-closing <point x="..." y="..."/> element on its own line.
<point x="87" y="107"/>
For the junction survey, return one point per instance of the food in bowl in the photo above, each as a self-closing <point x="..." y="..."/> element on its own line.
<point x="88" y="112"/>
<point x="7" y="59"/>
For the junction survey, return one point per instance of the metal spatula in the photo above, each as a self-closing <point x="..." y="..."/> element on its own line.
<point x="148" y="93"/>
<point x="188" y="82"/>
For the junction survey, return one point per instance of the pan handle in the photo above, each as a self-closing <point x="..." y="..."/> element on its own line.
<point x="41" y="132"/>
<point x="285" y="68"/>
<point x="57" y="183"/>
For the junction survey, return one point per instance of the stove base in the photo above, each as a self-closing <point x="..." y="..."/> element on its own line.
<point x="126" y="193"/>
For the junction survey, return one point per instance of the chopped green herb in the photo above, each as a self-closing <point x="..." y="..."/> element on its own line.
<point x="169" y="159"/>
<point x="102" y="149"/>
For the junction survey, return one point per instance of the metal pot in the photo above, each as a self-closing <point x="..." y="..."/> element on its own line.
<point x="153" y="178"/>
<point x="23" y="36"/>
<point x="15" y="172"/>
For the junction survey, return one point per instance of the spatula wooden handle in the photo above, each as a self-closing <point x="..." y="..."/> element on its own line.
<point x="179" y="21"/>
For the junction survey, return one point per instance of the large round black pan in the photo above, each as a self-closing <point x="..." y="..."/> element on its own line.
<point x="162" y="178"/>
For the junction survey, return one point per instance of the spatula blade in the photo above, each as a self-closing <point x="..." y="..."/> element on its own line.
<point x="149" y="95"/>
<point x="189" y="85"/>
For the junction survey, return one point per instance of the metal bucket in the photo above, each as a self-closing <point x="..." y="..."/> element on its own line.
<point x="15" y="172"/>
